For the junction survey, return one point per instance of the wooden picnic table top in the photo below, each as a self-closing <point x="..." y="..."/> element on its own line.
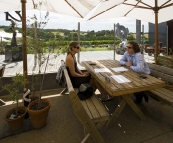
<point x="114" y="88"/>
<point x="150" y="48"/>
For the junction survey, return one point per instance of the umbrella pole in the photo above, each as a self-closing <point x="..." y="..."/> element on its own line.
<point x="78" y="56"/>
<point x="114" y="42"/>
<point x="156" y="31"/>
<point x="24" y="40"/>
<point x="24" y="54"/>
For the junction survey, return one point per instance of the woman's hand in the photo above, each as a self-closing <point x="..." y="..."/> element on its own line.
<point x="87" y="73"/>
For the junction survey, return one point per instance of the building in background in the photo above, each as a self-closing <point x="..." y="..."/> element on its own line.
<point x="163" y="34"/>
<point x="170" y="35"/>
<point x="138" y="31"/>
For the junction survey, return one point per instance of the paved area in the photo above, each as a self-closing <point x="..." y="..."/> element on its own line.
<point x="63" y="126"/>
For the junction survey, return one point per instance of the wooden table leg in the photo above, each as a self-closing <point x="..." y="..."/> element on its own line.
<point x="130" y="102"/>
<point x="118" y="110"/>
<point x="116" y="113"/>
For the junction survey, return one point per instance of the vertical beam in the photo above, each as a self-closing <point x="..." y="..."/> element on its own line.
<point x="156" y="31"/>
<point x="1" y="41"/>
<point x="35" y="51"/>
<point x="114" y="42"/>
<point x="167" y="49"/>
<point x="142" y="40"/>
<point x="24" y="40"/>
<point x="138" y="31"/>
<point x="78" y="55"/>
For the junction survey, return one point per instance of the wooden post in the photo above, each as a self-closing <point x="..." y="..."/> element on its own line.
<point x="156" y="31"/>
<point x="114" y="42"/>
<point x="78" y="55"/>
<point x="142" y="48"/>
<point x="25" y="73"/>
<point x="24" y="39"/>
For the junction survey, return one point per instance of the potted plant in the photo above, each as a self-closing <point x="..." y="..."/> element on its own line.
<point x="15" y="116"/>
<point x="34" y="81"/>
<point x="38" y="109"/>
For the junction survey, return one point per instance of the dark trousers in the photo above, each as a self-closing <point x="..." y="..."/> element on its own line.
<point x="140" y="95"/>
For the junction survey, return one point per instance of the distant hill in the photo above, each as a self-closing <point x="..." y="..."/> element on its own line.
<point x="69" y="35"/>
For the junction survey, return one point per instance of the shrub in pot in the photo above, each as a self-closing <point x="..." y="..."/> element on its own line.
<point x="15" y="116"/>
<point x="38" y="109"/>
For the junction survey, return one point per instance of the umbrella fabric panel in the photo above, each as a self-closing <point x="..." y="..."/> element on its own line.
<point x="103" y="7"/>
<point x="113" y="9"/>
<point x="77" y="8"/>
<point x="7" y="5"/>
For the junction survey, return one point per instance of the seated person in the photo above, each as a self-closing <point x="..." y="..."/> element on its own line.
<point x="77" y="76"/>
<point x="135" y="60"/>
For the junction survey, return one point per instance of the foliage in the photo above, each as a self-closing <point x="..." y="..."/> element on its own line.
<point x="38" y="45"/>
<point x="34" y="82"/>
<point x="130" y="38"/>
<point x="62" y="35"/>
<point x="36" y="38"/>
<point x="165" y="60"/>
<point x="14" y="88"/>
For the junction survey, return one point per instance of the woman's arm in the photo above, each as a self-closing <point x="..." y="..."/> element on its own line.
<point x="70" y="65"/>
<point x="86" y="72"/>
<point x="79" y="71"/>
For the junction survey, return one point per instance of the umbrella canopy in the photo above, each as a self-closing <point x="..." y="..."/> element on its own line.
<point x="77" y="8"/>
<point x="154" y="11"/>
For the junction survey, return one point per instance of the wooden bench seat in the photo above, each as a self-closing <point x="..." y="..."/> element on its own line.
<point x="90" y="112"/>
<point x="94" y="108"/>
<point x="166" y="74"/>
<point x="163" y="94"/>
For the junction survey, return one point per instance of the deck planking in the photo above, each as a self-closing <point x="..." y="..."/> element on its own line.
<point x="54" y="63"/>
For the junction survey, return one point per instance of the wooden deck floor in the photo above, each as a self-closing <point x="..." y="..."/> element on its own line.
<point x="17" y="67"/>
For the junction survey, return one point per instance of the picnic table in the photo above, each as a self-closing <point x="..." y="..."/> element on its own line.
<point x="151" y="50"/>
<point x="122" y="90"/>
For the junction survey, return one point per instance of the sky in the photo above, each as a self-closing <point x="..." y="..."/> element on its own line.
<point x="58" y="21"/>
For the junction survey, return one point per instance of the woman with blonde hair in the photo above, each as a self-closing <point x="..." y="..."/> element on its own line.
<point x="77" y="76"/>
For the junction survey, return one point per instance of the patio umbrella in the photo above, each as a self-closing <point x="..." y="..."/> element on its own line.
<point x="77" y="8"/>
<point x="154" y="11"/>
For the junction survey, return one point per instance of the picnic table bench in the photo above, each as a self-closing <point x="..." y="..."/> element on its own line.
<point x="113" y="82"/>
<point x="150" y="50"/>
<point x="166" y="74"/>
<point x="90" y="112"/>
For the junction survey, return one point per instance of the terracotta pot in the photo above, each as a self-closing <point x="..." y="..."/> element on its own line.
<point x="36" y="96"/>
<point x="169" y="87"/>
<point x="15" y="124"/>
<point x="38" y="117"/>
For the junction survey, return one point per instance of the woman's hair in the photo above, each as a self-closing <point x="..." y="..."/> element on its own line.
<point x="72" y="45"/>
<point x="135" y="46"/>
